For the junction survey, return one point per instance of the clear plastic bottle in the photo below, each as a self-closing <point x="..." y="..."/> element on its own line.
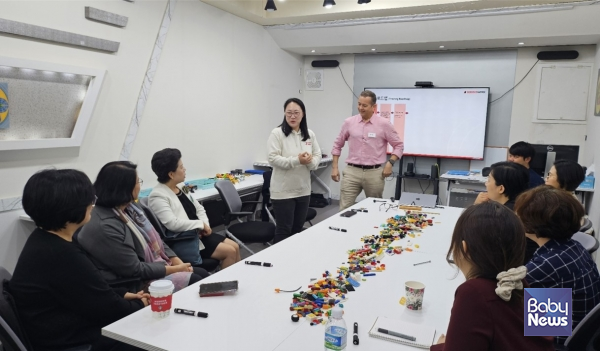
<point x="336" y="333"/>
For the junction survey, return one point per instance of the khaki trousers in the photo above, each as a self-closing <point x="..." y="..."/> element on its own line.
<point x="355" y="180"/>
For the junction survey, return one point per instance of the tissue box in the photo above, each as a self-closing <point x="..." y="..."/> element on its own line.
<point x="588" y="183"/>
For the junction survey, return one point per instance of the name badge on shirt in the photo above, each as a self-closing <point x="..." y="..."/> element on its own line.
<point x="371" y="135"/>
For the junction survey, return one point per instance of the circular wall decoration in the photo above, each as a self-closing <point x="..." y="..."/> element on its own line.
<point x="3" y="106"/>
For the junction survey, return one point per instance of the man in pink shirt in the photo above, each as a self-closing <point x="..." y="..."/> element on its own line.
<point x="368" y="136"/>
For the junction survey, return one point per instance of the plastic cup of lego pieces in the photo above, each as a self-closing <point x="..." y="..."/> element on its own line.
<point x="414" y="295"/>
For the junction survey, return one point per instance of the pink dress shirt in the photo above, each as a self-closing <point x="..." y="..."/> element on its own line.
<point x="368" y="141"/>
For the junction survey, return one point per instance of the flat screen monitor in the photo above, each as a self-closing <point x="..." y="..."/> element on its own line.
<point x="563" y="152"/>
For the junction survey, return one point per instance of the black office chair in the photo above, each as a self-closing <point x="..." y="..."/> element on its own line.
<point x="266" y="213"/>
<point x="587" y="227"/>
<point x="590" y="243"/>
<point x="586" y="336"/>
<point x="210" y="264"/>
<point x="12" y="335"/>
<point x="243" y="232"/>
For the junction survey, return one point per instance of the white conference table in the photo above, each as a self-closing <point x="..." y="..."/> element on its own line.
<point x="257" y="318"/>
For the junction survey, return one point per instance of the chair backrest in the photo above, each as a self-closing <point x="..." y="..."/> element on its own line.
<point x="266" y="195"/>
<point x="586" y="336"/>
<point x="4" y="274"/>
<point x="11" y="334"/>
<point x="144" y="201"/>
<point x="156" y="223"/>
<point x="229" y="195"/>
<point x="587" y="241"/>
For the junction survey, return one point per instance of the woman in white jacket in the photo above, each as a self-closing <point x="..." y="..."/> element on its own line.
<point x="181" y="214"/>
<point x="293" y="153"/>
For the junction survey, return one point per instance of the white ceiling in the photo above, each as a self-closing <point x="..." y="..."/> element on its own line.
<point x="301" y="11"/>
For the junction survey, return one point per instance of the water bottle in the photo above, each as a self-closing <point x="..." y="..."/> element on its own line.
<point x="336" y="332"/>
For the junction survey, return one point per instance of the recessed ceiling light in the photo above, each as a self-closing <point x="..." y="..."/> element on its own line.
<point x="328" y="4"/>
<point x="312" y="50"/>
<point x="372" y="49"/>
<point x="521" y="43"/>
<point x="442" y="46"/>
<point x="270" y="6"/>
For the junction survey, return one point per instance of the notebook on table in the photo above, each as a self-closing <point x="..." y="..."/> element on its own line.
<point x="424" y="335"/>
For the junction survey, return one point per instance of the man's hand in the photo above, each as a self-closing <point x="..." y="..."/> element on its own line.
<point x="335" y="174"/>
<point x="387" y="170"/>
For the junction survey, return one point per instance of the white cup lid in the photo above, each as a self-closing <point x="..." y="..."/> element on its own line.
<point x="161" y="284"/>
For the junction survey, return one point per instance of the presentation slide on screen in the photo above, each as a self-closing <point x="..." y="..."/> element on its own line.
<point x="437" y="122"/>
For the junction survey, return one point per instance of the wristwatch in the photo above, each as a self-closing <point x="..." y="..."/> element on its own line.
<point x="392" y="161"/>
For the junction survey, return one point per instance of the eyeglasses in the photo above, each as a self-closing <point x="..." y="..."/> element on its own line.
<point x="387" y="207"/>
<point x="294" y="113"/>
<point x="141" y="181"/>
<point x="95" y="200"/>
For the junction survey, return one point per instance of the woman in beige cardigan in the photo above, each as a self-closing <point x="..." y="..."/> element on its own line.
<point x="183" y="215"/>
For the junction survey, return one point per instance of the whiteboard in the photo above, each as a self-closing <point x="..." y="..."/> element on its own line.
<point x="437" y="122"/>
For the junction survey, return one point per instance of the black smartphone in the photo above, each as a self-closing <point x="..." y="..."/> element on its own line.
<point x="348" y="214"/>
<point x="218" y="289"/>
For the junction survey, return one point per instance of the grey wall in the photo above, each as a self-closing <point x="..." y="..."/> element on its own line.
<point x="494" y="69"/>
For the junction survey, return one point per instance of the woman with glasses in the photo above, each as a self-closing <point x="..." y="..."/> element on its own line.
<point x="62" y="299"/>
<point x="565" y="175"/>
<point x="487" y="246"/>
<point x="293" y="153"/>
<point x="121" y="240"/>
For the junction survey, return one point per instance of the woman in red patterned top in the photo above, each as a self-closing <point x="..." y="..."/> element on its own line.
<point x="488" y="245"/>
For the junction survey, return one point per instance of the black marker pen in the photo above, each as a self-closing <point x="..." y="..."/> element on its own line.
<point x="338" y="229"/>
<point x="355" y="337"/>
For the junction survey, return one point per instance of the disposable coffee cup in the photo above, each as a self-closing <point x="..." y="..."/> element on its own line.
<point x="414" y="295"/>
<point x="161" y="295"/>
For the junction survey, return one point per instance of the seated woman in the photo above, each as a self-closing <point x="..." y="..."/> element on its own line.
<point x="62" y="299"/>
<point x="566" y="175"/>
<point x="551" y="217"/>
<point x="505" y="182"/>
<point x="120" y="239"/>
<point x="182" y="215"/>
<point x="487" y="246"/>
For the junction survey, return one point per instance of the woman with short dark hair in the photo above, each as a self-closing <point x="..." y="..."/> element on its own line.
<point x="62" y="299"/>
<point x="551" y="216"/>
<point x="487" y="246"/>
<point x="504" y="183"/>
<point x="121" y="240"/>
<point x="566" y="175"/>
<point x="293" y="153"/>
<point x="183" y="216"/>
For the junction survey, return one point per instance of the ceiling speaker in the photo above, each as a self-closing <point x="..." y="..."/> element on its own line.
<point x="325" y="63"/>
<point x="557" y="55"/>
